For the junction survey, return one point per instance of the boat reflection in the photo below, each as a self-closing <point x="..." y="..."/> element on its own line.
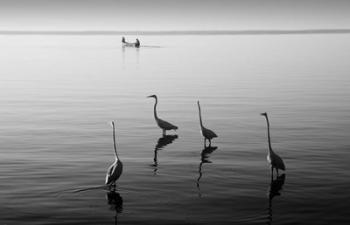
<point x="204" y="159"/>
<point x="115" y="201"/>
<point x="130" y="56"/>
<point x="276" y="186"/>
<point x="162" y="142"/>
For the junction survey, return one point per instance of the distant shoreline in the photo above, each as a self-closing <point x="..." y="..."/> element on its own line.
<point x="180" y="32"/>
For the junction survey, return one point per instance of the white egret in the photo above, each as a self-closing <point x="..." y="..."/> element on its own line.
<point x="116" y="169"/>
<point x="274" y="160"/>
<point x="164" y="125"/>
<point x="207" y="133"/>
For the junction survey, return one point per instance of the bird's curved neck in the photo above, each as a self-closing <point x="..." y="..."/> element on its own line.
<point x="115" y="145"/>
<point x="155" y="109"/>
<point x="268" y="134"/>
<point x="200" y="115"/>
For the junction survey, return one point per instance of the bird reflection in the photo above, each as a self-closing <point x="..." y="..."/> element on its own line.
<point x="204" y="159"/>
<point x="274" y="190"/>
<point x="115" y="201"/>
<point x="162" y="142"/>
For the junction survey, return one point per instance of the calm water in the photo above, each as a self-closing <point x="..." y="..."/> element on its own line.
<point x="58" y="95"/>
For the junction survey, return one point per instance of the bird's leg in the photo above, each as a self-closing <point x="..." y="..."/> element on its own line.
<point x="205" y="142"/>
<point x="209" y="142"/>
<point x="163" y="132"/>
<point x="271" y="179"/>
<point x="155" y="158"/>
<point x="277" y="172"/>
<point x="271" y="172"/>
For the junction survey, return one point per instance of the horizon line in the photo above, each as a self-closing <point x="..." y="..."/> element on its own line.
<point x="177" y="32"/>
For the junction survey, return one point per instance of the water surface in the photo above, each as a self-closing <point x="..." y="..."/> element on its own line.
<point x="59" y="93"/>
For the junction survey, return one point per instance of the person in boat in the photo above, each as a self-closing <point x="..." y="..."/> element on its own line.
<point x="137" y="44"/>
<point x="129" y="44"/>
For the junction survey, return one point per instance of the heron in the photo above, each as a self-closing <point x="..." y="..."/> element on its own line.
<point x="162" y="124"/>
<point x="207" y="133"/>
<point x="116" y="169"/>
<point x="275" y="160"/>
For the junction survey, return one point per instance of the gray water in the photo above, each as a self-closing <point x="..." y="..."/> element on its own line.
<point x="58" y="95"/>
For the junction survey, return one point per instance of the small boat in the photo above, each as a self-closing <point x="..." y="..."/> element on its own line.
<point x="130" y="44"/>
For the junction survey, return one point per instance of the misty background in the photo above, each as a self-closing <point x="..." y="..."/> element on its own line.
<point x="161" y="15"/>
<point x="58" y="94"/>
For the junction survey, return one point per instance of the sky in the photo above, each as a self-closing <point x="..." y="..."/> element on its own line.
<point x="173" y="14"/>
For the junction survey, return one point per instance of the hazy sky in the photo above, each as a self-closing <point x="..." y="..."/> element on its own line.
<point x="173" y="14"/>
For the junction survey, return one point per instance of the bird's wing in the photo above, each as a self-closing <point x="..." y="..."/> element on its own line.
<point x="166" y="125"/>
<point x="280" y="163"/>
<point x="209" y="133"/>
<point x="110" y="172"/>
<point x="119" y="170"/>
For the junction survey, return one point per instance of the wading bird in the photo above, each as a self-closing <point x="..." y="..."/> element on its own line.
<point x="164" y="125"/>
<point x="274" y="160"/>
<point x="207" y="134"/>
<point x="116" y="169"/>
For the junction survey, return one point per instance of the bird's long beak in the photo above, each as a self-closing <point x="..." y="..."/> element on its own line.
<point x="150" y="96"/>
<point x="263" y="114"/>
